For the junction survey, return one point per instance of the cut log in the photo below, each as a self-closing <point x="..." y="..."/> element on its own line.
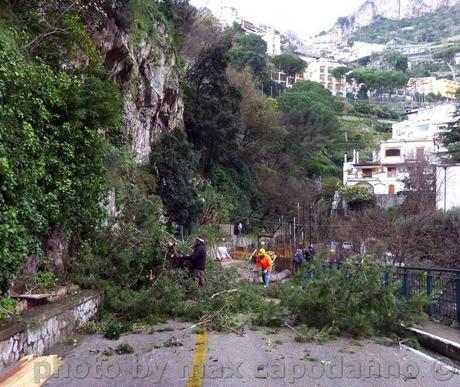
<point x="257" y="277"/>
<point x="280" y="276"/>
<point x="30" y="371"/>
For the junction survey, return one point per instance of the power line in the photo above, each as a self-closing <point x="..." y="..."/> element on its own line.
<point x="324" y="224"/>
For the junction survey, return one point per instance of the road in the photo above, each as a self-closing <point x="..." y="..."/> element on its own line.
<point x="260" y="358"/>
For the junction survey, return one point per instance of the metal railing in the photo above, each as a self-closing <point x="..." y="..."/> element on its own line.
<point x="442" y="286"/>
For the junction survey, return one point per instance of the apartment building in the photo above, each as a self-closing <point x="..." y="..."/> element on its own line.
<point x="273" y="41"/>
<point x="444" y="87"/>
<point x="413" y="140"/>
<point x="320" y="70"/>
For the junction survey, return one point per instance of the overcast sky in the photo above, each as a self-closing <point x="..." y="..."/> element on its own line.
<point x="305" y="17"/>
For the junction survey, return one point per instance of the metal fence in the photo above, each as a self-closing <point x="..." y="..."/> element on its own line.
<point x="442" y="286"/>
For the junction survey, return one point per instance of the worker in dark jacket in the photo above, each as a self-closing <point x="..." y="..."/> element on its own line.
<point x="198" y="261"/>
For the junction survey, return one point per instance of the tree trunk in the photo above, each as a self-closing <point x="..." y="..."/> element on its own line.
<point x="56" y="248"/>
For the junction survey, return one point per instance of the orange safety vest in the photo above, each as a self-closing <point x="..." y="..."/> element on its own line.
<point x="264" y="262"/>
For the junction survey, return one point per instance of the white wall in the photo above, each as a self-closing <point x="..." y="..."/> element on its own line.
<point x="273" y="43"/>
<point x="448" y="187"/>
<point x="409" y="151"/>
<point x="319" y="70"/>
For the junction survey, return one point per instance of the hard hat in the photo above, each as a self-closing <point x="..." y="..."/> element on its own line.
<point x="170" y="244"/>
<point x="261" y="251"/>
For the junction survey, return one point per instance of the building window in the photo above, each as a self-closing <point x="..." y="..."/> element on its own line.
<point x="367" y="172"/>
<point x="392" y="152"/>
<point x="391" y="189"/>
<point x="322" y="69"/>
<point x="391" y="171"/>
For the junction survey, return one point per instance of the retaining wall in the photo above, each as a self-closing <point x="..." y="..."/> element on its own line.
<point x="37" y="330"/>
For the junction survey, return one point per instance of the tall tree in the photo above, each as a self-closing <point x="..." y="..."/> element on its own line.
<point x="261" y="132"/>
<point x="250" y="50"/>
<point x="451" y="137"/>
<point x="175" y="161"/>
<point x="379" y="81"/>
<point x="212" y="107"/>
<point x="309" y="113"/>
<point x="289" y="64"/>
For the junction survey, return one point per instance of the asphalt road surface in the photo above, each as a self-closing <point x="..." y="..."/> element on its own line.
<point x="182" y="357"/>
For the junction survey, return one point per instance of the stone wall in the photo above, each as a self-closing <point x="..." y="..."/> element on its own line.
<point x="38" y="330"/>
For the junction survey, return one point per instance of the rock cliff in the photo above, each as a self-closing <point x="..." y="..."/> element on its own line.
<point x="388" y="9"/>
<point x="147" y="71"/>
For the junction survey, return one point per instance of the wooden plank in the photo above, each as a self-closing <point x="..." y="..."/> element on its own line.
<point x="31" y="372"/>
<point x="12" y="369"/>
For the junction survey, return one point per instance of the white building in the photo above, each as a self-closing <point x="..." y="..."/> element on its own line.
<point x="229" y="16"/>
<point x="457" y="58"/>
<point x="317" y="70"/>
<point x="361" y="50"/>
<point x="273" y="43"/>
<point x="447" y="186"/>
<point x="413" y="140"/>
<point x="430" y="85"/>
<point x="320" y="70"/>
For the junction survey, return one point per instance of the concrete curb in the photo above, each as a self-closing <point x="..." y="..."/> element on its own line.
<point x="448" y="348"/>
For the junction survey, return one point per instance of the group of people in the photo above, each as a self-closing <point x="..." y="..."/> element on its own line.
<point x="265" y="263"/>
<point x="303" y="255"/>
<point x="263" y="260"/>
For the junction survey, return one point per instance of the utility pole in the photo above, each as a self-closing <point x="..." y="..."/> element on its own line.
<point x="298" y="224"/>
<point x="294" y="238"/>
<point x="303" y="224"/>
<point x="445" y="188"/>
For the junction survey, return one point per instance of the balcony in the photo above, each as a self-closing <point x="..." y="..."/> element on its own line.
<point x="393" y="160"/>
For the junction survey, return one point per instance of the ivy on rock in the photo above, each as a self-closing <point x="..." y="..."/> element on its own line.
<point x="51" y="152"/>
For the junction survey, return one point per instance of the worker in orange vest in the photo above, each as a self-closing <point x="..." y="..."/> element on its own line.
<point x="264" y="262"/>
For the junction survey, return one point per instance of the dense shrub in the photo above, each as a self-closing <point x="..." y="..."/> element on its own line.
<point x="353" y="298"/>
<point x="369" y="109"/>
<point x="7" y="307"/>
<point x="51" y="152"/>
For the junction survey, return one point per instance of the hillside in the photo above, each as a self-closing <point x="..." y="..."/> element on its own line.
<point x="374" y="10"/>
<point x="432" y="27"/>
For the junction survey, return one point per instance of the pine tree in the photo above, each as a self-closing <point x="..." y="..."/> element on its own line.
<point x="451" y="137"/>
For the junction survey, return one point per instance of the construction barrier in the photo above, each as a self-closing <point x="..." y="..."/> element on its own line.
<point x="242" y="253"/>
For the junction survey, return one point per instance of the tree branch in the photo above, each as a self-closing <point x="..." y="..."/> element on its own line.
<point x="44" y="35"/>
<point x="225" y="291"/>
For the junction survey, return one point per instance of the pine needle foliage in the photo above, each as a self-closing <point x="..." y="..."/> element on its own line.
<point x="353" y="298"/>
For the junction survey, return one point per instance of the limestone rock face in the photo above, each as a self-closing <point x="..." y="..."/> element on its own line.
<point x="388" y="9"/>
<point x="147" y="72"/>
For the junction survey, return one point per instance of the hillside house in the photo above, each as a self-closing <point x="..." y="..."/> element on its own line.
<point x="415" y="140"/>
